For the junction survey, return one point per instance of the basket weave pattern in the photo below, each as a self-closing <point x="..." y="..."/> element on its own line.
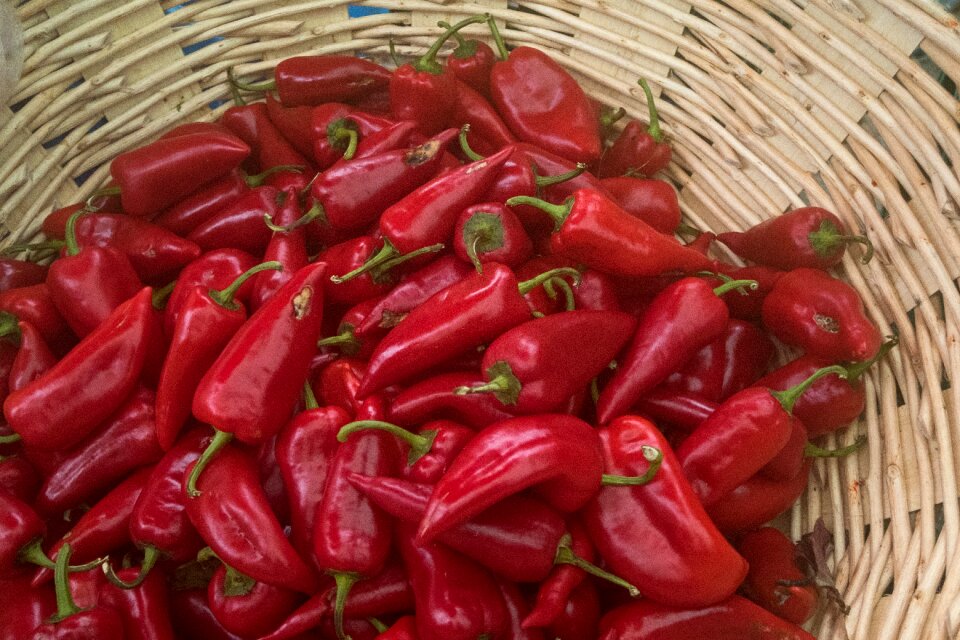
<point x="770" y="104"/>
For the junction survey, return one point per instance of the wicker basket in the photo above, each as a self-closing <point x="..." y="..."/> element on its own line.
<point x="771" y="104"/>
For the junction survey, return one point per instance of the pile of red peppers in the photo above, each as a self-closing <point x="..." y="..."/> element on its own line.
<point x="414" y="354"/>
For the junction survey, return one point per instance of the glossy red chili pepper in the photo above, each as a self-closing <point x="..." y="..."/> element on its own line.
<point x="451" y="322"/>
<point x="287" y="247"/>
<point x="740" y="438"/>
<point x="273" y="150"/>
<point x="681" y="320"/>
<point x="412" y="291"/>
<point x="555" y="591"/>
<point x="347" y="256"/>
<point x="20" y="526"/>
<point x="491" y="232"/>
<point x="595" y="290"/>
<point x="34" y="358"/>
<point x="213" y="270"/>
<point x="163" y="172"/>
<point x="87" y="284"/>
<point x="806" y="237"/>
<point x="296" y="123"/>
<point x="305" y="448"/>
<point x="637" y="151"/>
<point x="392" y="137"/>
<point x="18" y="477"/>
<point x="251" y="388"/>
<point x="455" y="597"/>
<point x="246" y="607"/>
<point x="732" y="362"/>
<point x="404" y="628"/>
<point x="471" y="62"/>
<point x="557" y="454"/>
<point x="20" y="273"/>
<point x="487" y="132"/>
<point x="653" y="201"/>
<point x="789" y="460"/>
<point x="314" y="80"/>
<point x="24" y="608"/>
<point x="748" y="306"/>
<point x="188" y="128"/>
<point x="535" y="367"/>
<point x="127" y="441"/>
<point x="592" y="229"/>
<point x="345" y="192"/>
<point x="338" y="382"/>
<point x="542" y="103"/>
<point x="732" y="619"/>
<point x="433" y="398"/>
<point x="386" y="593"/>
<point x="758" y="501"/>
<point x="517" y="610"/>
<point x="192" y="617"/>
<point x="580" y="618"/>
<point x="232" y="515"/>
<point x="658" y="536"/>
<point x="775" y="581"/>
<point x="682" y="410"/>
<point x="33" y="304"/>
<point x="702" y="242"/>
<point x="345" y="341"/>
<point x="207" y="321"/>
<point x="809" y="309"/>
<point x="337" y="130"/>
<point x="143" y="609"/>
<point x="184" y="216"/>
<point x="84" y="388"/>
<point x="832" y="402"/>
<point x="240" y="224"/>
<point x="243" y="121"/>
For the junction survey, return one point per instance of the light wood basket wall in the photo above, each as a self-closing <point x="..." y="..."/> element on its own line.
<point x="771" y="104"/>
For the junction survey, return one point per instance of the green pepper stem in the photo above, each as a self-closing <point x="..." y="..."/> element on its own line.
<point x="224" y="297"/>
<point x="654" y="127"/>
<point x="309" y="397"/>
<point x="653" y="455"/>
<point x="546" y="181"/>
<point x="499" y="384"/>
<point x="352" y="138"/>
<point x="66" y="606"/>
<point x="857" y="369"/>
<point x="465" y="145"/>
<point x="420" y="444"/>
<point x="811" y="450"/>
<point x="571" y="302"/>
<point x="32" y="553"/>
<point x="220" y="440"/>
<point x="266" y="85"/>
<point x="344" y="337"/>
<point x="344" y="582"/>
<point x="9" y="325"/>
<point x="316" y="212"/>
<point x="10" y="439"/>
<point x="150" y="556"/>
<point x="610" y="116"/>
<point x="565" y="555"/>
<point x="387" y="252"/>
<point x="236" y="584"/>
<point x="33" y="246"/>
<point x="827" y="237"/>
<point x="428" y="62"/>
<point x="497" y="38"/>
<point x="160" y="296"/>
<point x="558" y="212"/>
<point x="527" y="286"/>
<point x="788" y="397"/>
<point x="379" y="626"/>
<point x="472" y="253"/>
<point x="726" y="287"/>
<point x="70" y="236"/>
<point x="258" y="179"/>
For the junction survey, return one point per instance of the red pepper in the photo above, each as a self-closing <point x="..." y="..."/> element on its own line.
<point x="314" y="80"/>
<point x="305" y="448"/>
<point x="685" y="317"/>
<point x="164" y="172"/>
<point x="184" y="216"/>
<point x="296" y="123"/>
<point x="19" y="527"/>
<point x="487" y="132"/>
<point x="414" y="289"/>
<point x="20" y="273"/>
<point x="789" y="460"/>
<point x="18" y="477"/>
<point x="127" y="441"/>
<point x="34" y="305"/>
<point x="758" y="501"/>
<point x="657" y="535"/>
<point x="232" y="515"/>
<point x="87" y="285"/>
<point x="240" y="224"/>
<point x="580" y="619"/>
<point x="192" y="617"/>
<point x="273" y="151"/>
<point x="653" y="201"/>
<point x="404" y="628"/>
<point x="592" y="229"/>
<point x="471" y="62"/>
<point x="542" y="103"/>
<point x="188" y="128"/>
<point x="555" y="591"/>
<point x="806" y="237"/>
<point x="456" y="599"/>
<point x="351" y="537"/>
<point x="246" y="607"/>
<point x="83" y="389"/>
<point x="702" y="242"/>
<point x="748" y="306"/>
<point x="832" y="402"/>
<point x="337" y="130"/>
<point x="739" y="438"/>
<point x="637" y="151"/>
<point x="207" y="321"/>
<point x="143" y="609"/>
<point x="338" y="383"/>
<point x="732" y="362"/>
<point x="34" y="358"/>
<point x="823" y="316"/>
<point x="386" y="593"/>
<point x="517" y="609"/>
<point x="594" y="291"/>
<point x="287" y="247"/>
<point x="392" y="137"/>
<point x="213" y="270"/>
<point x="735" y="618"/>
<point x="775" y="581"/>
<point x="491" y="232"/>
<point x="434" y="398"/>
<point x="451" y="322"/>
<point x="350" y="195"/>
<point x="535" y="367"/>
<point x="684" y="411"/>
<point x="347" y="256"/>
<point x="558" y="454"/>
<point x="24" y="608"/>
<point x="346" y="340"/>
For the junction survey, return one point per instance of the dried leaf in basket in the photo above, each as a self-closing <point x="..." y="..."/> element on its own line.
<point x="813" y="556"/>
